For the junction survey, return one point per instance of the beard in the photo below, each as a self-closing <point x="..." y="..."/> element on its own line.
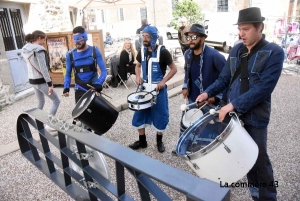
<point x="196" y="45"/>
<point x="146" y="44"/>
<point x="81" y="45"/>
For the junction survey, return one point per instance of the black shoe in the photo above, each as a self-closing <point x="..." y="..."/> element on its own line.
<point x="160" y="146"/>
<point x="174" y="153"/>
<point x="138" y="144"/>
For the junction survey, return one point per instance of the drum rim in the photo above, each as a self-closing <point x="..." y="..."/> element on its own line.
<point x="214" y="144"/>
<point x="85" y="106"/>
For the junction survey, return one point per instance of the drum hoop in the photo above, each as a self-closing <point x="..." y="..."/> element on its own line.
<point x="214" y="144"/>
<point x="86" y="106"/>
<point x="136" y="102"/>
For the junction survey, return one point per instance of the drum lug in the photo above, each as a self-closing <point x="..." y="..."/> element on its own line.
<point x="89" y="110"/>
<point x="195" y="166"/>
<point x="84" y="156"/>
<point x="227" y="148"/>
<point x="89" y="184"/>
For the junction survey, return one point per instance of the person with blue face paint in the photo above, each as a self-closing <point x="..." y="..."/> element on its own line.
<point x="83" y="60"/>
<point x="153" y="59"/>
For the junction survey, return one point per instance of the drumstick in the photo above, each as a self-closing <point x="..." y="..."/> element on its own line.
<point x="197" y="110"/>
<point x="143" y="96"/>
<point x="93" y="88"/>
<point x="185" y="109"/>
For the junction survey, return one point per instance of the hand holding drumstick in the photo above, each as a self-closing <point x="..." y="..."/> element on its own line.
<point x="97" y="93"/>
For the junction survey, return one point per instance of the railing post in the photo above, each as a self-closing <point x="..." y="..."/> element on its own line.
<point x="120" y="179"/>
<point x="64" y="158"/>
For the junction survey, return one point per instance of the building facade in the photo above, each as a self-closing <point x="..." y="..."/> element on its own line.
<point x="120" y="21"/>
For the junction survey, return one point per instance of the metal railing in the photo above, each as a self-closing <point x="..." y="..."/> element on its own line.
<point x="192" y="187"/>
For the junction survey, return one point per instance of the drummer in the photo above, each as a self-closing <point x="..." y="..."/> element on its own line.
<point x="158" y="114"/>
<point x="203" y="65"/>
<point x="81" y="60"/>
<point x="250" y="96"/>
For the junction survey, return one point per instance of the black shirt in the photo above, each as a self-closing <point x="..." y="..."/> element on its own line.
<point x="164" y="60"/>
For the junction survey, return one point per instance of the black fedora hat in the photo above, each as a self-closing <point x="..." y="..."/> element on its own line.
<point x="196" y="28"/>
<point x="250" y="15"/>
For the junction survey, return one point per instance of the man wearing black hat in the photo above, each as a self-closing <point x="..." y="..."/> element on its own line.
<point x="251" y="75"/>
<point x="203" y="66"/>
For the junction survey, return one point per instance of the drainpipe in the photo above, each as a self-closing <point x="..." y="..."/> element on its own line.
<point x="154" y="13"/>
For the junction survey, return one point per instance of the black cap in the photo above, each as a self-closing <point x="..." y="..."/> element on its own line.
<point x="196" y="28"/>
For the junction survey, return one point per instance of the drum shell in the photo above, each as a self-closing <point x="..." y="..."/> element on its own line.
<point x="99" y="115"/>
<point x="226" y="164"/>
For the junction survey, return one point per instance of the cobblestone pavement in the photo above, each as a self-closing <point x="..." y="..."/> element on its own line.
<point x="21" y="181"/>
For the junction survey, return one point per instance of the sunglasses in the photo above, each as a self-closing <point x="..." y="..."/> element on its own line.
<point x="193" y="37"/>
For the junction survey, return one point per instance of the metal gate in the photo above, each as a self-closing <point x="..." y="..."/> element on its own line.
<point x="11" y="26"/>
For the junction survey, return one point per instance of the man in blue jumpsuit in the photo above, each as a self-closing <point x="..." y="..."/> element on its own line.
<point x="158" y="115"/>
<point x="83" y="60"/>
<point x="250" y="94"/>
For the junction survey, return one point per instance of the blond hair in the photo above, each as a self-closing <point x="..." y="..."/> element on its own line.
<point x="132" y="50"/>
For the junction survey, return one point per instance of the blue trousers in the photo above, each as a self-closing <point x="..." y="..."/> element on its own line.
<point x="262" y="171"/>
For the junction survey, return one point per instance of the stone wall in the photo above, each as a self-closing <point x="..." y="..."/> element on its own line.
<point x="49" y="16"/>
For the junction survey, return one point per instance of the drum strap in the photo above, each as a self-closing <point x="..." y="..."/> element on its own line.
<point x="81" y="69"/>
<point x="243" y="68"/>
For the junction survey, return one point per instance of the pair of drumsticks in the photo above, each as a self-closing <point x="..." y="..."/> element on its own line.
<point x="194" y="112"/>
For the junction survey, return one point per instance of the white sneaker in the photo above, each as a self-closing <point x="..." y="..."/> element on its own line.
<point x="49" y="128"/>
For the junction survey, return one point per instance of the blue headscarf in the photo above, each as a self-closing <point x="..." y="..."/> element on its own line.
<point x="153" y="33"/>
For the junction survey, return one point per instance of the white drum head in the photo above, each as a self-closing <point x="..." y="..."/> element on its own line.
<point x="97" y="162"/>
<point x="139" y="97"/>
<point x="188" y="119"/>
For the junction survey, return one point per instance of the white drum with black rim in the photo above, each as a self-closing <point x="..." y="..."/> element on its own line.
<point x="218" y="151"/>
<point x="140" y="100"/>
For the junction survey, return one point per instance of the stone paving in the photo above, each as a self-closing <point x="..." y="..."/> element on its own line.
<point x="22" y="181"/>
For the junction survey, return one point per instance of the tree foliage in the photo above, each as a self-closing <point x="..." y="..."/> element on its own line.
<point x="189" y="9"/>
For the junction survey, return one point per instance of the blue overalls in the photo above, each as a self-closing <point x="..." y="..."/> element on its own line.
<point x="158" y="114"/>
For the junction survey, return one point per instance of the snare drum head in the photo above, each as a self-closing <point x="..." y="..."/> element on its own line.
<point x="139" y="97"/>
<point x="83" y="103"/>
<point x="201" y="134"/>
<point x="191" y="116"/>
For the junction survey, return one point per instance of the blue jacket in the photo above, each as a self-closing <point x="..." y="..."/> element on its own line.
<point x="213" y="63"/>
<point x="264" y="70"/>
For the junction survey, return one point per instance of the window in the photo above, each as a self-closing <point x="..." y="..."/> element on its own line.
<point x="121" y="15"/>
<point x="222" y="5"/>
<point x="173" y="4"/>
<point x="12" y="28"/>
<point x="93" y="19"/>
<point x="143" y="12"/>
<point x="102" y="16"/>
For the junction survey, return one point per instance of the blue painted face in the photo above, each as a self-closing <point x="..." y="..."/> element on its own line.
<point x="80" y="37"/>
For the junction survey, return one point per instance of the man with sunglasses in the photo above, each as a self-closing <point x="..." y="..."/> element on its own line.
<point x="83" y="60"/>
<point x="203" y="65"/>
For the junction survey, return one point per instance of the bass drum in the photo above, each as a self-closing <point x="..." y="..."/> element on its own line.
<point x="95" y="112"/>
<point x="218" y="151"/>
<point x="97" y="162"/>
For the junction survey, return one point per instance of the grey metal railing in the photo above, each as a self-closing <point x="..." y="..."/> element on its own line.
<point x="192" y="187"/>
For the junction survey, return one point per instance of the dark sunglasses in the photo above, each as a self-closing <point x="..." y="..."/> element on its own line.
<point x="193" y="37"/>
